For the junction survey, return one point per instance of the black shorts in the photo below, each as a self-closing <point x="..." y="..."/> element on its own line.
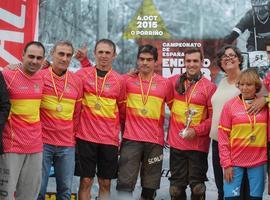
<point x="135" y="155"/>
<point x="187" y="167"/>
<point x="91" y="156"/>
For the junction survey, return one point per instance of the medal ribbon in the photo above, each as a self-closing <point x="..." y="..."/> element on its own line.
<point x="103" y="83"/>
<point x="191" y="93"/>
<point x="252" y="122"/>
<point x="59" y="98"/>
<point x="145" y="97"/>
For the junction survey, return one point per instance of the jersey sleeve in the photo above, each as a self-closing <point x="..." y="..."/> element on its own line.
<point x="204" y="127"/>
<point x="224" y="130"/>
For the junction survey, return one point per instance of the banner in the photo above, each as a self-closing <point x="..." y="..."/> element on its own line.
<point x="18" y="25"/>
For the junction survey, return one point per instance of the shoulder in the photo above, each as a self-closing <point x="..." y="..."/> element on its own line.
<point x="44" y="72"/>
<point x="232" y="101"/>
<point x="84" y="72"/>
<point x="158" y="77"/>
<point x="207" y="83"/>
<point x="74" y="77"/>
<point x="173" y="78"/>
<point x="116" y="74"/>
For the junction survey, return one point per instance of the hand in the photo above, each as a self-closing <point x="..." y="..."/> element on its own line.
<point x="256" y="105"/>
<point x="13" y="66"/>
<point x="133" y="71"/>
<point x="81" y="53"/>
<point x="45" y="64"/>
<point x="190" y="134"/>
<point x="228" y="174"/>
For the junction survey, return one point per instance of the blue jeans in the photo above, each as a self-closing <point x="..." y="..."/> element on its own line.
<point x="63" y="160"/>
<point x="256" y="177"/>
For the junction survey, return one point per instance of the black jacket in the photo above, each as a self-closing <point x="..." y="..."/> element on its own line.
<point x="4" y="108"/>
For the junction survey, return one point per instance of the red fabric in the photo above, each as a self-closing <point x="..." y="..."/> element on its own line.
<point x="148" y="127"/>
<point x="201" y="102"/>
<point x="235" y="145"/>
<point x="100" y="126"/>
<point x="59" y="127"/>
<point x="19" y="18"/>
<point x="22" y="133"/>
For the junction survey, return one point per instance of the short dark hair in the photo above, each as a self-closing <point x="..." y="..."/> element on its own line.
<point x="194" y="50"/>
<point x="148" y="48"/>
<point x="221" y="53"/>
<point x="36" y="43"/>
<point x="106" y="41"/>
<point x="62" y="42"/>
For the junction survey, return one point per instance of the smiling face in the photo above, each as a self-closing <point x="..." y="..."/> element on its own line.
<point x="32" y="59"/>
<point x="193" y="64"/>
<point x="230" y="61"/>
<point x="104" y="54"/>
<point x="146" y="63"/>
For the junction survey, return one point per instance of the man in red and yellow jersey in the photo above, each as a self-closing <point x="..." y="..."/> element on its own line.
<point x="143" y="138"/>
<point x="21" y="163"/>
<point x="98" y="132"/>
<point x="60" y="109"/>
<point x="189" y="149"/>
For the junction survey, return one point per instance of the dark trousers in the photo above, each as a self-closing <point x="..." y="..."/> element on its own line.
<point x="218" y="174"/>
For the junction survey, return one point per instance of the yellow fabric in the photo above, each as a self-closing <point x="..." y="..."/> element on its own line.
<point x="153" y="105"/>
<point x="108" y="106"/>
<point x="180" y="108"/>
<point x="27" y="109"/>
<point x="50" y="102"/>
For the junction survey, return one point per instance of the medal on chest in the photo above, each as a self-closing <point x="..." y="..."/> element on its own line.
<point x="144" y="97"/>
<point x="59" y="106"/>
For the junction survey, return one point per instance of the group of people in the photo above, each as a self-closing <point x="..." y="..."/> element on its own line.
<point x="49" y="116"/>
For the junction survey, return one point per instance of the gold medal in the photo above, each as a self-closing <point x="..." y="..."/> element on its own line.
<point x="253" y="138"/>
<point x="97" y="106"/>
<point x="59" y="108"/>
<point x="144" y="111"/>
<point x="144" y="97"/>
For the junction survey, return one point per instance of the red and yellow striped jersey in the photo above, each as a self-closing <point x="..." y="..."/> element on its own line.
<point x="238" y="144"/>
<point x="197" y="97"/>
<point x="145" y="122"/>
<point x="60" y="118"/>
<point x="22" y="133"/>
<point x="99" y="120"/>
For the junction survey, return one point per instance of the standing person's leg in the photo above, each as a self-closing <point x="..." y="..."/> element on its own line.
<point x="218" y="172"/>
<point x="232" y="189"/>
<point x="151" y="170"/>
<point x="84" y="192"/>
<point x="179" y="174"/>
<point x="256" y="177"/>
<point x="129" y="165"/>
<point x="29" y="182"/>
<point x="86" y="167"/>
<point x="107" y="166"/>
<point x="48" y="152"/>
<point x="64" y="164"/>
<point x="197" y="168"/>
<point x="244" y="194"/>
<point x="10" y="168"/>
